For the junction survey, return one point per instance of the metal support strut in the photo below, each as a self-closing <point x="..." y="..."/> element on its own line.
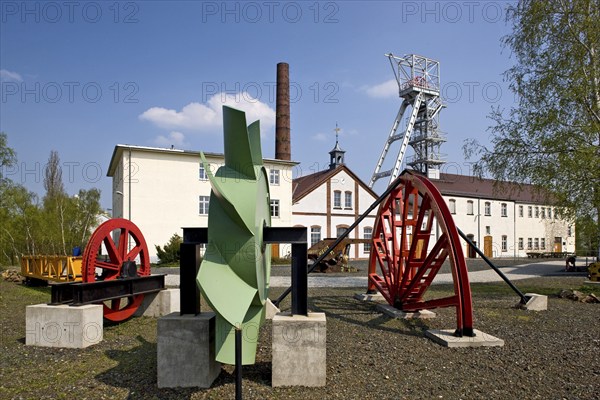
<point x="524" y="299"/>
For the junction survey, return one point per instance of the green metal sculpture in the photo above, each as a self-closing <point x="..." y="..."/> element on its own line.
<point x="235" y="271"/>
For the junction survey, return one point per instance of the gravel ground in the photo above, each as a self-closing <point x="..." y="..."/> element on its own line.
<point x="547" y="355"/>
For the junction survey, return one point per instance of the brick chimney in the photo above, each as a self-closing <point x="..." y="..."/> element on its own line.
<point x="283" y="149"/>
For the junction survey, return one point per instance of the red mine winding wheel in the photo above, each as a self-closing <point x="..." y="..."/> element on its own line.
<point x="414" y="235"/>
<point x="124" y="242"/>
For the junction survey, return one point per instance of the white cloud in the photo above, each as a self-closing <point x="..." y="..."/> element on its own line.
<point x="176" y="139"/>
<point x="10" y="76"/>
<point x="209" y="116"/>
<point x="383" y="90"/>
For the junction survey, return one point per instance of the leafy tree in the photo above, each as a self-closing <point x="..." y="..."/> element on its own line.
<point x="551" y="138"/>
<point x="53" y="226"/>
<point x="53" y="177"/>
<point x="170" y="252"/>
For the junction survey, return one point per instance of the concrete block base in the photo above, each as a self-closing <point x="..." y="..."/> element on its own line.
<point x="299" y="350"/>
<point x="159" y="304"/>
<point x="446" y="338"/>
<point x="536" y="302"/>
<point x="186" y="351"/>
<point x="369" y="297"/>
<point x="395" y="313"/>
<point x="63" y="325"/>
<point x="271" y="309"/>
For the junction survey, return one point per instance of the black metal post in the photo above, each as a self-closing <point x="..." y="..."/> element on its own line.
<point x="189" y="265"/>
<point x="299" y="279"/>
<point x="238" y="364"/>
<point x="524" y="298"/>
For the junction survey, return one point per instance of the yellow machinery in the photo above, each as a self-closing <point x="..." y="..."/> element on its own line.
<point x="52" y="268"/>
<point x="594" y="272"/>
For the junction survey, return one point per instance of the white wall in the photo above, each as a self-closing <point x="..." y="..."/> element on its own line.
<point x="165" y="189"/>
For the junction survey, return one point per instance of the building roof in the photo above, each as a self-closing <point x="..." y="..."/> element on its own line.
<point x="118" y="151"/>
<point x="303" y="185"/>
<point x="470" y="186"/>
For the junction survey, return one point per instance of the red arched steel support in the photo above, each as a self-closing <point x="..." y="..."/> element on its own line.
<point x="123" y="242"/>
<point x="414" y="235"/>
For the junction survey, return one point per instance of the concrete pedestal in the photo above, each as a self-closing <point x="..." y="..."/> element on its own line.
<point x="446" y="338"/>
<point x="369" y="297"/>
<point x="271" y="309"/>
<point x="299" y="350"/>
<point x="186" y="351"/>
<point x="159" y="304"/>
<point x="63" y="325"/>
<point x="399" y="314"/>
<point x="536" y="302"/>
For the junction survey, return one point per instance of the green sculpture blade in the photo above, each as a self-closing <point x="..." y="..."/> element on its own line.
<point x="234" y="275"/>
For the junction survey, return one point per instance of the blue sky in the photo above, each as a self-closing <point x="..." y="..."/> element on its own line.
<point x="81" y="77"/>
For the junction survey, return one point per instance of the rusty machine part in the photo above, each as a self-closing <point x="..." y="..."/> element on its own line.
<point x="124" y="245"/>
<point x="408" y="259"/>
<point x="336" y="260"/>
<point x="594" y="272"/>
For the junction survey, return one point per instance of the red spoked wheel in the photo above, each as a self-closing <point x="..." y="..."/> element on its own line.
<point x="123" y="241"/>
<point x="414" y="235"/>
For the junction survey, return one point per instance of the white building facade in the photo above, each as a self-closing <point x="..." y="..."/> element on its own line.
<point x="328" y="202"/>
<point x="505" y="220"/>
<point x="163" y="190"/>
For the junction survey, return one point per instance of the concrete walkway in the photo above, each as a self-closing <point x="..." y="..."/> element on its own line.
<point x="545" y="268"/>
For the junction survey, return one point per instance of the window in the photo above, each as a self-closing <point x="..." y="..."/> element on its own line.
<point x="315" y="235"/>
<point x="529" y="211"/>
<point x="470" y="207"/>
<point x="537" y="212"/>
<point x="274" y="177"/>
<point x="488" y="208"/>
<point x="520" y="243"/>
<point x="549" y="212"/>
<point x="203" y="202"/>
<point x="569" y="231"/>
<point x="536" y="243"/>
<point x="503" y="210"/>
<point x="340" y="230"/>
<point x="488" y="230"/>
<point x="543" y="212"/>
<point x="452" y="206"/>
<point x="543" y="243"/>
<point x="521" y="211"/>
<point x="202" y="173"/>
<point x="274" y="208"/>
<point x="367" y="234"/>
<point x="529" y="242"/>
<point x="337" y="199"/>
<point x="348" y="200"/>
<point x="504" y="243"/>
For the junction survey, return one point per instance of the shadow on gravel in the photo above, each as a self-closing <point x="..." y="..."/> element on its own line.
<point x="342" y="308"/>
<point x="126" y="374"/>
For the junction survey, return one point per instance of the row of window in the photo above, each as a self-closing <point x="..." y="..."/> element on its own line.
<point x="337" y="199"/>
<point x="533" y="244"/>
<point x="203" y="203"/>
<point x="487" y="208"/>
<point x="274" y="175"/>
<point x="539" y="212"/>
<point x="315" y="235"/>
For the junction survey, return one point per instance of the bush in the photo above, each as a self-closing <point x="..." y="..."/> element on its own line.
<point x="169" y="254"/>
